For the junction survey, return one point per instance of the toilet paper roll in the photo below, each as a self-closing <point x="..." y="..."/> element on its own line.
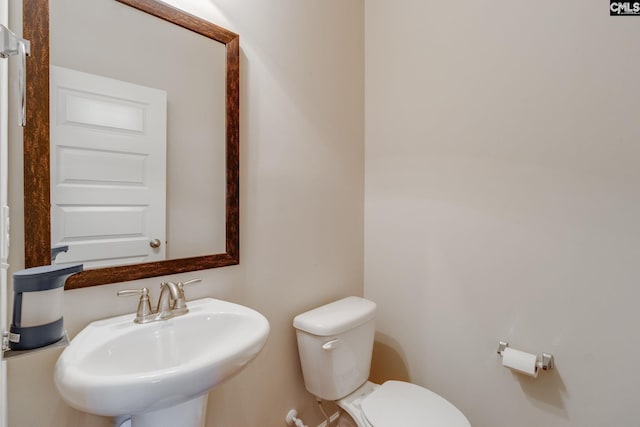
<point x="519" y="361"/>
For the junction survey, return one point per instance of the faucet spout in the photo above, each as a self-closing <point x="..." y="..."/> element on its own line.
<point x="169" y="294"/>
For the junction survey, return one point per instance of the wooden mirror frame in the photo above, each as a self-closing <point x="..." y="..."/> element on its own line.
<point x="37" y="205"/>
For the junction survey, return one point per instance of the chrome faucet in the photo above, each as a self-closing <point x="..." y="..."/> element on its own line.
<point x="171" y="303"/>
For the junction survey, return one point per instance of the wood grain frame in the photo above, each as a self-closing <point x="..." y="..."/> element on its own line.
<point x="37" y="232"/>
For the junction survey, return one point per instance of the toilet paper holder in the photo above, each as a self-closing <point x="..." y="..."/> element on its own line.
<point x="544" y="361"/>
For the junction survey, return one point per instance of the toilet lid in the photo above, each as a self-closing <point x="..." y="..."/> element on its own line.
<point x="396" y="403"/>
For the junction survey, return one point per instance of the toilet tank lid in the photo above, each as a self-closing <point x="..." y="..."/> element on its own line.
<point x="336" y="317"/>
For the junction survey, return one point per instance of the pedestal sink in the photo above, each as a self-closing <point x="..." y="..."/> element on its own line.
<point x="159" y="372"/>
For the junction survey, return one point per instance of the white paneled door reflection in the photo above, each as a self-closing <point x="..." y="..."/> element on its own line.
<point x="108" y="169"/>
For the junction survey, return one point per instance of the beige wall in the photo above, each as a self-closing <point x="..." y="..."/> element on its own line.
<point x="301" y="208"/>
<point x="502" y="202"/>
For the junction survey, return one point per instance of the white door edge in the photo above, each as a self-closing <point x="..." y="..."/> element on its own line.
<point x="4" y="141"/>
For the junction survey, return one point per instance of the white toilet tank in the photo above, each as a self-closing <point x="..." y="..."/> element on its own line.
<point x="335" y="343"/>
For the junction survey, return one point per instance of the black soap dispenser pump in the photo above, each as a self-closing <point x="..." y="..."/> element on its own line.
<point x="37" y="305"/>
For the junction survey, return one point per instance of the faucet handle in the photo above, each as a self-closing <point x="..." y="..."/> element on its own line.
<point x="181" y="302"/>
<point x="131" y="292"/>
<point x="188" y="282"/>
<point x="144" y="306"/>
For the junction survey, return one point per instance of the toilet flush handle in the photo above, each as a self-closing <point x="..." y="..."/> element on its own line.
<point x="330" y="345"/>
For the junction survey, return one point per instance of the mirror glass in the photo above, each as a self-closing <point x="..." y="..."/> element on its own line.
<point x="142" y="164"/>
<point x="118" y="185"/>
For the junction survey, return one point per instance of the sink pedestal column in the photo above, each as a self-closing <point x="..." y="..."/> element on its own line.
<point x="188" y="414"/>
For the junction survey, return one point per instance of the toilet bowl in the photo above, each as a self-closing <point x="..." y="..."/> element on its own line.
<point x="335" y="343"/>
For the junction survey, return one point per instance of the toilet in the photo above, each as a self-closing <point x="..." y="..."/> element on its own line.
<point x="335" y="343"/>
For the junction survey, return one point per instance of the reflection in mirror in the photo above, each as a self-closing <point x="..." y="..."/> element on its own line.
<point x="137" y="126"/>
<point x="144" y="140"/>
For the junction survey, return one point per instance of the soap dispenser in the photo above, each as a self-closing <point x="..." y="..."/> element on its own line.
<point x="37" y="305"/>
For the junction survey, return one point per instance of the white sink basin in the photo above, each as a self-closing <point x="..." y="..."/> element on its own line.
<point x="115" y="366"/>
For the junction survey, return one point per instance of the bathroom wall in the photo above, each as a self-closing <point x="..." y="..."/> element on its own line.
<point x="502" y="202"/>
<point x="302" y="169"/>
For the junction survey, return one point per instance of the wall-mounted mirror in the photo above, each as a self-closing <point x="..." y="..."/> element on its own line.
<point x="131" y="144"/>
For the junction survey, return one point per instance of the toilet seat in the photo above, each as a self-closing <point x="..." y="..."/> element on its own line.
<point x="397" y="403"/>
